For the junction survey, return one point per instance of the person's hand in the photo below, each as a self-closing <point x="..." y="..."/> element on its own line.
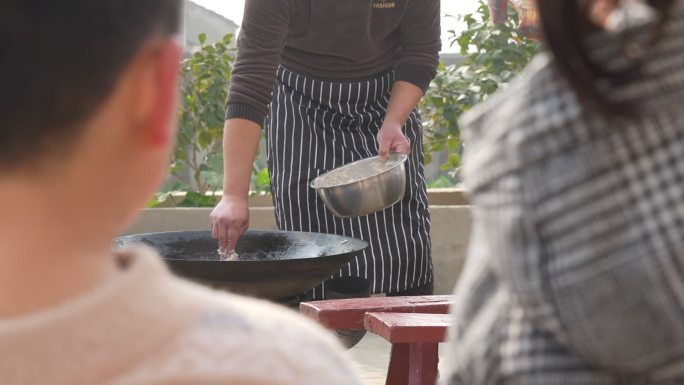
<point x="392" y="139"/>
<point x="229" y="220"/>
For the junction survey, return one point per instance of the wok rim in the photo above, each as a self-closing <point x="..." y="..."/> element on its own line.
<point x="361" y="242"/>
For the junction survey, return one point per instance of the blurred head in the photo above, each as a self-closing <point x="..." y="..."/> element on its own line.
<point x="568" y="23"/>
<point x="87" y="102"/>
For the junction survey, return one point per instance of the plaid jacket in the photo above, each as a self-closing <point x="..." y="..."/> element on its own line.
<point x="575" y="272"/>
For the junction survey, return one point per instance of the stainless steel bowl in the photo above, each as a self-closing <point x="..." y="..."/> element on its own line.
<point x="363" y="187"/>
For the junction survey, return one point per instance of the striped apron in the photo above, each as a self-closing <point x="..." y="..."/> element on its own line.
<point x="315" y="126"/>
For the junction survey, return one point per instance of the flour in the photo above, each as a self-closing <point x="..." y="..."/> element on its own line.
<point x="225" y="255"/>
<point x="357" y="171"/>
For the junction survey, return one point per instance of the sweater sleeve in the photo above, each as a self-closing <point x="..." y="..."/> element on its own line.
<point x="421" y="42"/>
<point x="262" y="36"/>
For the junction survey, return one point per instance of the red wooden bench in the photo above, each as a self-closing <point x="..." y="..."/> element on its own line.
<point x="414" y="338"/>
<point x="349" y="313"/>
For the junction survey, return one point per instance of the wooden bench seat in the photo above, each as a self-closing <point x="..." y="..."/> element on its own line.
<point x="344" y="314"/>
<point x="408" y="327"/>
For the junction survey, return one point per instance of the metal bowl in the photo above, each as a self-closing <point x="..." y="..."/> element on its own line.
<point x="363" y="187"/>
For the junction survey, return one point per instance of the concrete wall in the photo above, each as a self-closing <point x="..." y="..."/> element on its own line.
<point x="454" y="196"/>
<point x="450" y="233"/>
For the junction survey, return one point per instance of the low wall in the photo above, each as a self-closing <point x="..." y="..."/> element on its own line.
<point x="450" y="233"/>
<point x="455" y="196"/>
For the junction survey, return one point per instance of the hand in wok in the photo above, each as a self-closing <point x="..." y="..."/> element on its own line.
<point x="229" y="220"/>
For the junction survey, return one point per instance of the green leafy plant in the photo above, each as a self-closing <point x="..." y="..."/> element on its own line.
<point x="260" y="181"/>
<point x="444" y="181"/>
<point x="198" y="161"/>
<point x="492" y="57"/>
<point x="197" y="165"/>
<point x="195" y="199"/>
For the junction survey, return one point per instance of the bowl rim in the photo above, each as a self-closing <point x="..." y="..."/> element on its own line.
<point x="401" y="161"/>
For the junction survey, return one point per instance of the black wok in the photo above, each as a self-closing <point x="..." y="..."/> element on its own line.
<point x="272" y="264"/>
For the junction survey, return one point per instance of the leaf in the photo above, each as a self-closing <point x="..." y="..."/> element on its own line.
<point x="204" y="139"/>
<point x="263" y="181"/>
<point x="213" y="180"/>
<point x="202" y="38"/>
<point x="215" y="162"/>
<point x="195" y="199"/>
<point x="443" y="181"/>
<point x="153" y="203"/>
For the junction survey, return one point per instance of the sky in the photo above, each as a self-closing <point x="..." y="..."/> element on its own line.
<point x="232" y="9"/>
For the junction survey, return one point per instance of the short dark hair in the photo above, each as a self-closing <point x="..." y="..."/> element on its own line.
<point x="59" y="61"/>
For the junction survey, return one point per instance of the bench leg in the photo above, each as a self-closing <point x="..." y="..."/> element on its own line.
<point x="413" y="364"/>
<point x="397" y="373"/>
<point x="423" y="364"/>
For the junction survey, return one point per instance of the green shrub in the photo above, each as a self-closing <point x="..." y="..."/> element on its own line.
<point x="198" y="161"/>
<point x="492" y="57"/>
<point x="197" y="164"/>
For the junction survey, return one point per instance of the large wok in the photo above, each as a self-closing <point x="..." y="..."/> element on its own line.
<point x="273" y="264"/>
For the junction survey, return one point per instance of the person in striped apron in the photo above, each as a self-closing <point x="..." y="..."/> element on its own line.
<point x="334" y="82"/>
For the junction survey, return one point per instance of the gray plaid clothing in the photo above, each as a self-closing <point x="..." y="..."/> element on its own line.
<point x="575" y="272"/>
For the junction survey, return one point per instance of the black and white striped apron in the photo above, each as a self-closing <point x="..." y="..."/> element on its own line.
<point x="315" y="126"/>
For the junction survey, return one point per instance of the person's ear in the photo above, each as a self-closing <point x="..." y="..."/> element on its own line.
<point x="157" y="93"/>
<point x="163" y="119"/>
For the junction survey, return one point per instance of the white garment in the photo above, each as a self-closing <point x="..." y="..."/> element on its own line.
<point x="148" y="327"/>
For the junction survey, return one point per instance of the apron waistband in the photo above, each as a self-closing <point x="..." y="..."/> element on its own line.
<point x="336" y="96"/>
<point x="284" y="72"/>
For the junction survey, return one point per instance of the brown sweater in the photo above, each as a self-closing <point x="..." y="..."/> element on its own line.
<point x="341" y="40"/>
